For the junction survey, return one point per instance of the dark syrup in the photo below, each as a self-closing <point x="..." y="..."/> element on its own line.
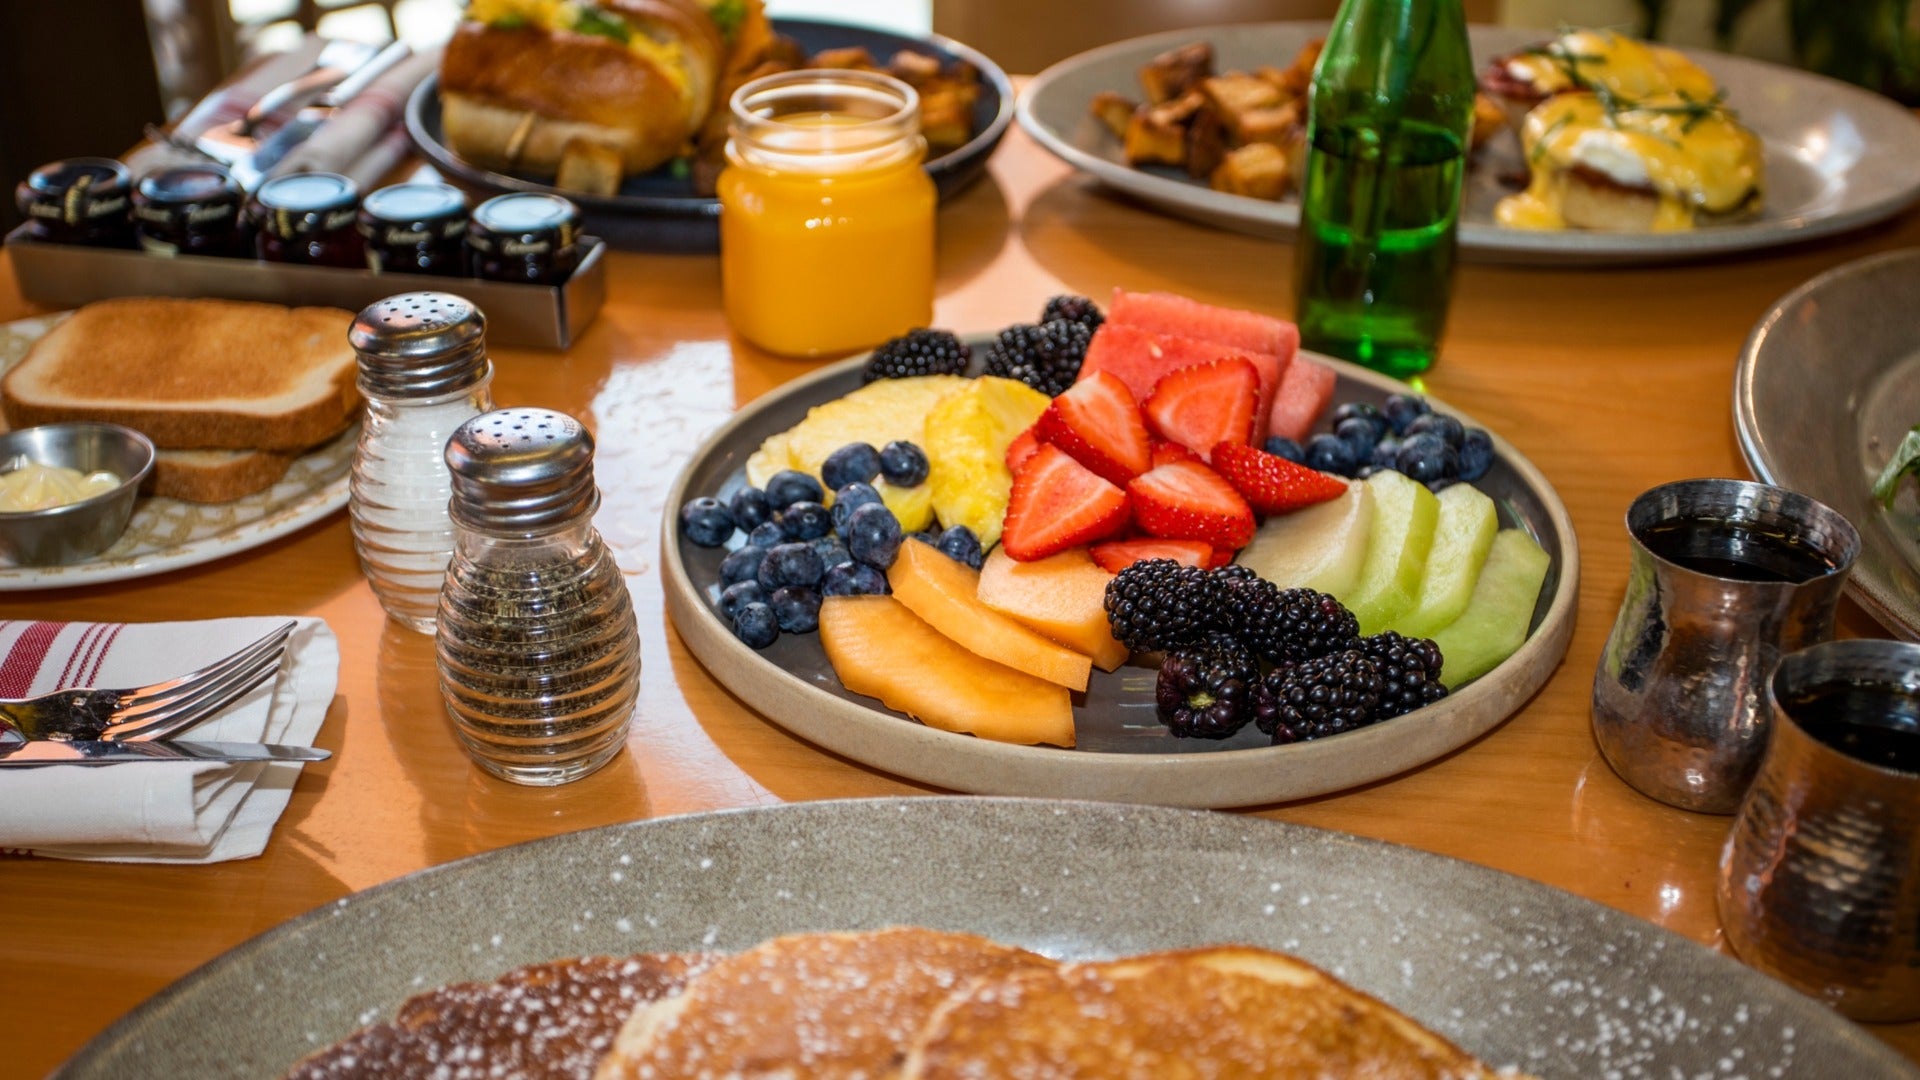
<point x="1741" y="551"/>
<point x="1871" y="722"/>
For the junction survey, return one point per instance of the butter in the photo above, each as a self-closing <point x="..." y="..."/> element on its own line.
<point x="33" y="486"/>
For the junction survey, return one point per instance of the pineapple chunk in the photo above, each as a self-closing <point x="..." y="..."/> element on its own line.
<point x="966" y="437"/>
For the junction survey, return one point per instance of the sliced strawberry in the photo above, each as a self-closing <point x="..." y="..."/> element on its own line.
<point x="1202" y="406"/>
<point x="1272" y="484"/>
<point x="1221" y="557"/>
<point x="1164" y="452"/>
<point x="1098" y="421"/>
<point x="1021" y="448"/>
<point x="1188" y="501"/>
<point x="1116" y="555"/>
<point x="1058" y="503"/>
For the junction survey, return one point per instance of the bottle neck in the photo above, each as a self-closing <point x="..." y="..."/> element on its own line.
<point x="1389" y="59"/>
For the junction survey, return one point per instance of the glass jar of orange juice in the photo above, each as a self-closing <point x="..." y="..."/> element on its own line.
<point x="826" y="215"/>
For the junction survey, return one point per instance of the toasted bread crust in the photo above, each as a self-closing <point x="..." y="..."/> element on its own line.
<point x="193" y="374"/>
<point x="217" y="476"/>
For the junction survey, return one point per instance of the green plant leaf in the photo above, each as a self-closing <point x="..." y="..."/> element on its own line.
<point x="1905" y="462"/>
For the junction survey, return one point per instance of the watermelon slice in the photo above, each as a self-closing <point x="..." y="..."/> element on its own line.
<point x="1305" y="390"/>
<point x="1166" y="313"/>
<point x="1141" y="358"/>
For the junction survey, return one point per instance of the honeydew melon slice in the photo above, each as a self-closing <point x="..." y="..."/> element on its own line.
<point x="1320" y="547"/>
<point x="1494" y="625"/>
<point x="1398" y="541"/>
<point x="1461" y="538"/>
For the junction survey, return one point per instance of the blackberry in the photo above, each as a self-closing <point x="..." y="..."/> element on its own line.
<point x="1161" y="604"/>
<point x="1073" y="309"/>
<point x="1207" y="691"/>
<point x="1046" y="357"/>
<point x="919" y="352"/>
<point x="1409" y="673"/>
<point x="1284" y="626"/>
<point x="1317" y="698"/>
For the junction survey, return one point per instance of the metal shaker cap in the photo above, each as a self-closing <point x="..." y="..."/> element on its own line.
<point x="420" y="345"/>
<point x="521" y="471"/>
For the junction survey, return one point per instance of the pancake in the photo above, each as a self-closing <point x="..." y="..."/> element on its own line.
<point x="1219" y="1013"/>
<point x="550" y="1021"/>
<point x="828" y="1006"/>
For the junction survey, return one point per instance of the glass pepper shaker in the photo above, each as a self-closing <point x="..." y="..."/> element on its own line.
<point x="424" y="371"/>
<point x="538" y="648"/>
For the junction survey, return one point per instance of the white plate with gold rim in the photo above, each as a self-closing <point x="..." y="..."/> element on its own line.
<point x="1837" y="157"/>
<point x="168" y="534"/>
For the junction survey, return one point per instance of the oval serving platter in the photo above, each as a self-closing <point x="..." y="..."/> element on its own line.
<point x="1519" y="974"/>
<point x="1123" y="752"/>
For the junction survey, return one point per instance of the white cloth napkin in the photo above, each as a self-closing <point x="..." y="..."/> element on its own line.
<point x="170" y="812"/>
<point x="364" y="138"/>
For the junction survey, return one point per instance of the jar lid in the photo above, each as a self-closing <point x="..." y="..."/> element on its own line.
<point x="524" y="223"/>
<point x="420" y="345"/>
<point x="521" y="471"/>
<point x="301" y="204"/>
<point x="76" y="189"/>
<point x="188" y="185"/>
<point x="438" y="211"/>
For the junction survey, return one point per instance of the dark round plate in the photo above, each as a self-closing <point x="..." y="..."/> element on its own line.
<point x="658" y="211"/>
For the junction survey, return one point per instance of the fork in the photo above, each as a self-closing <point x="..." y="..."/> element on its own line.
<point x="153" y="712"/>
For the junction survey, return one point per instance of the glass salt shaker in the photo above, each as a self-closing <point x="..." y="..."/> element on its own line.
<point x="539" y="651"/>
<point x="424" y="371"/>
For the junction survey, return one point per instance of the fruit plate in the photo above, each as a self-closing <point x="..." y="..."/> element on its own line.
<point x="1827" y="385"/>
<point x="1835" y="154"/>
<point x="659" y="211"/>
<point x="1511" y="970"/>
<point x="1123" y="751"/>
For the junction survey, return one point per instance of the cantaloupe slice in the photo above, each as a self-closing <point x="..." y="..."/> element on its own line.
<point x="946" y="594"/>
<point x="880" y="649"/>
<point x="1063" y="597"/>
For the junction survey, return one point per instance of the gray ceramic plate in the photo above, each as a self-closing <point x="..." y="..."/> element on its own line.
<point x="1123" y="752"/>
<point x="1838" y="157"/>
<point x="1828" y="384"/>
<point x="1515" y="972"/>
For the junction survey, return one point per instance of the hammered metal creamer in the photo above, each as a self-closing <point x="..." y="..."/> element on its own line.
<point x="1820" y="877"/>
<point x="1679" y="697"/>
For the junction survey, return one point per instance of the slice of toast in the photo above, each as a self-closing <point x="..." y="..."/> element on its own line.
<point x="217" y="476"/>
<point x="193" y="374"/>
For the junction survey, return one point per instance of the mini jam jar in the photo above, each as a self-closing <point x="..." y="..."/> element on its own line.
<point x="307" y="218"/>
<point x="79" y="201"/>
<point x="527" y="239"/>
<point x="415" y="229"/>
<point x="190" y="210"/>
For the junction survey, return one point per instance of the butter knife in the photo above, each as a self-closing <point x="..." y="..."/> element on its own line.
<point x="36" y="752"/>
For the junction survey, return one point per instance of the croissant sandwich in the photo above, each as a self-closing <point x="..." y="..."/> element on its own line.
<point x="539" y="86"/>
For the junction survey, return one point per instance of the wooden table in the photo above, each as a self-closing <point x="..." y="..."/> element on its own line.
<point x="1611" y="381"/>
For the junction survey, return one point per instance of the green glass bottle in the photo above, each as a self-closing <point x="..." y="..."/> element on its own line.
<point x="1387" y="133"/>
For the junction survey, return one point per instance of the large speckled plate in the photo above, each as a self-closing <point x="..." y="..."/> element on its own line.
<point x="1517" y="973"/>
<point x="1827" y="385"/>
<point x="167" y="534"/>
<point x="1837" y="157"/>
<point x="1123" y="752"/>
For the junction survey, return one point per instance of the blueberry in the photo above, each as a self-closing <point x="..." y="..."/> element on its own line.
<point x="756" y="625"/>
<point x="791" y="564"/>
<point x="1386" y="454"/>
<point x="854" y="579"/>
<point x="959" y="544"/>
<point x="1359" y="434"/>
<point x="706" y="522"/>
<point x="1444" y="426"/>
<point x="1330" y="453"/>
<point x="796" y="608"/>
<point x="848" y="499"/>
<point x="1476" y="454"/>
<point x="1425" y="456"/>
<point x="1401" y="410"/>
<point x="854" y="463"/>
<point x="903" y="464"/>
<point x="741" y="564"/>
<point x="832" y="551"/>
<point x="806" y="521"/>
<point x="873" y="536"/>
<point x="750" y="509"/>
<point x="767" y="534"/>
<point x="926" y="536"/>
<point x="1281" y="447"/>
<point x="1362" y="410"/>
<point x="739" y="595"/>
<point x="788" y="487"/>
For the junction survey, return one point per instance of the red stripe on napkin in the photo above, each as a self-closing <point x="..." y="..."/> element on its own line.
<point x="77" y="659"/>
<point x="100" y="658"/>
<point x="24" y="659"/>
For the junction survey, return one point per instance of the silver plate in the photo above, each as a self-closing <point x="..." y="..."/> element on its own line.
<point x="1827" y="385"/>
<point x="1837" y="157"/>
<point x="1513" y="971"/>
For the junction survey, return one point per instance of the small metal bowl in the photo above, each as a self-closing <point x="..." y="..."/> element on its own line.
<point x="64" y="534"/>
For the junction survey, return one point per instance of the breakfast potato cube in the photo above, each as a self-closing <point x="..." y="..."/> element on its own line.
<point x="1273" y="126"/>
<point x="1257" y="169"/>
<point x="1488" y="119"/>
<point x="916" y="69"/>
<point x="1151" y="139"/>
<point x="1113" y="111"/>
<point x="1237" y="92"/>
<point x="854" y="58"/>
<point x="1206" y="142"/>
<point x="1173" y="73"/>
<point x="946" y="115"/>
